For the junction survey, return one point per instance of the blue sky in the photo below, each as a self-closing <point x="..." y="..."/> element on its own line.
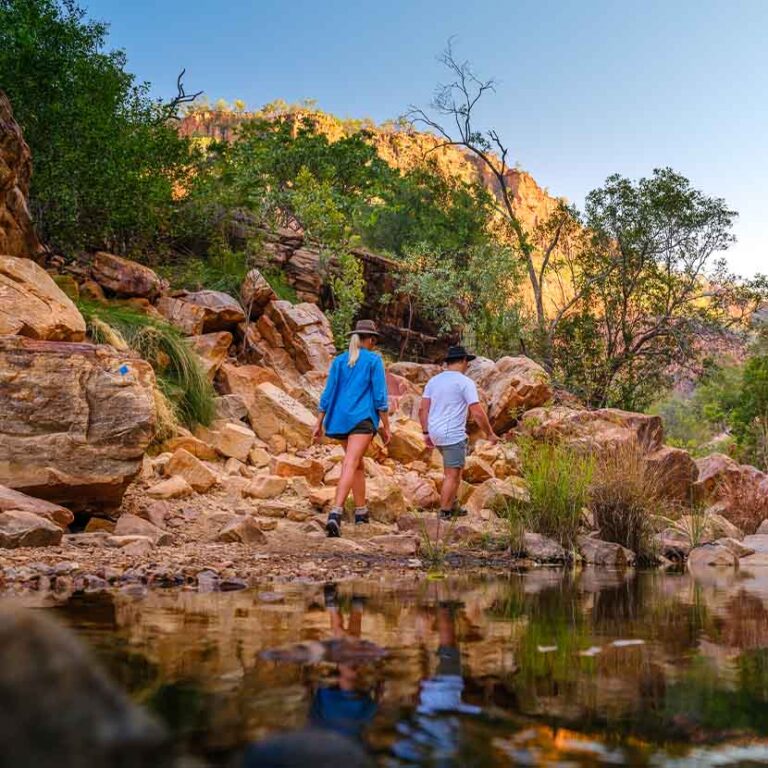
<point x="586" y="87"/>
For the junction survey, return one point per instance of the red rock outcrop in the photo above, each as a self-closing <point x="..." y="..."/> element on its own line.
<point x="75" y="422"/>
<point x="125" y="277"/>
<point x="17" y="234"/>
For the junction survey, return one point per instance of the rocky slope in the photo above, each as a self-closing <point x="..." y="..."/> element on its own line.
<point x="245" y="497"/>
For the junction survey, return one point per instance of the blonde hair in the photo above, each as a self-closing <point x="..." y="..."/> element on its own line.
<point x="354" y="349"/>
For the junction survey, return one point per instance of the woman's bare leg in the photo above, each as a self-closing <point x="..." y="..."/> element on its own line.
<point x="352" y="476"/>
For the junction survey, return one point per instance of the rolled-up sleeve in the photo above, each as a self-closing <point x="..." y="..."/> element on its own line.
<point x="329" y="393"/>
<point x="380" y="395"/>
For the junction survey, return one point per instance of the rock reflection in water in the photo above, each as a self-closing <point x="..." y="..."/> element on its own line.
<point x="452" y="673"/>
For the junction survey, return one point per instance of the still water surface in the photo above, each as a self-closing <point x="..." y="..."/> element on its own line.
<point x="549" y="667"/>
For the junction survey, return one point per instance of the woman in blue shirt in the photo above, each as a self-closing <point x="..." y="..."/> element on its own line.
<point x="354" y="399"/>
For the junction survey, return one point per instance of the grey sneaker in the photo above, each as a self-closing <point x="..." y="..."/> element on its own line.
<point x="333" y="525"/>
<point x="361" y="516"/>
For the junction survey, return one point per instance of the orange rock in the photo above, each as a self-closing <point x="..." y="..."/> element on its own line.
<point x="125" y="277"/>
<point x="212" y="349"/>
<point x="189" y="467"/>
<point x="286" y="465"/>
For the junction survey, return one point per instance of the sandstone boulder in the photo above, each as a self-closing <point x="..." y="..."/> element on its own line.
<point x="502" y="457"/>
<point x="197" y="447"/>
<point x="212" y="349"/>
<point x="712" y="555"/>
<point x="230" y="408"/>
<point x="543" y="549"/>
<point x="256" y="293"/>
<point x="273" y="412"/>
<point x="602" y="430"/>
<point x="496" y="495"/>
<point x="265" y="487"/>
<point x="32" y="305"/>
<point x="26" y="529"/>
<point x="11" y="501"/>
<point x="513" y="385"/>
<point x="75" y="420"/>
<point x="740" y="490"/>
<point x="607" y="553"/>
<point x="133" y="525"/>
<point x="125" y="277"/>
<point x="477" y="471"/>
<point x="17" y="233"/>
<point x="416" y="373"/>
<point x="199" y="476"/>
<point x="407" y="443"/>
<point x="187" y="317"/>
<point x="174" y="487"/>
<point x="286" y="465"/>
<point x="419" y="491"/>
<point x="232" y="440"/>
<point x="220" y="311"/>
<point x="386" y="502"/>
<point x="242" y="380"/>
<point x="677" y="472"/>
<point x="404" y="545"/>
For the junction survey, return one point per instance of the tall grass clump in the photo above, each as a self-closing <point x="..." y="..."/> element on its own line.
<point x="558" y="480"/>
<point x="626" y="494"/>
<point x="180" y="377"/>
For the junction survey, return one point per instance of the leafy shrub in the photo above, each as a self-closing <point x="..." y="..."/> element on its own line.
<point x="624" y="496"/>
<point x="221" y="270"/>
<point x="178" y="370"/>
<point x="558" y="481"/>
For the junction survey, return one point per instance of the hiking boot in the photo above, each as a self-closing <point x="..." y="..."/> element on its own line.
<point x="361" y="516"/>
<point x="330" y="596"/>
<point x="333" y="525"/>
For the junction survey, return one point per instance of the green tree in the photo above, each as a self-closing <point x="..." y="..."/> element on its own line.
<point x="106" y="159"/>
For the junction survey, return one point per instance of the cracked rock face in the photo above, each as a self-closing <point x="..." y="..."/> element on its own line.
<point x="17" y="235"/>
<point x="75" y="422"/>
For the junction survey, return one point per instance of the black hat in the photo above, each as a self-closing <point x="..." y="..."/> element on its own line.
<point x="458" y="353"/>
<point x="365" y="328"/>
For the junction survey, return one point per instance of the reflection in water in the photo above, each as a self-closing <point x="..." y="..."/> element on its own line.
<point x="550" y="667"/>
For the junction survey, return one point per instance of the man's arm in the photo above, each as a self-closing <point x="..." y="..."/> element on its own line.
<point x="424" y="418"/>
<point x="480" y="417"/>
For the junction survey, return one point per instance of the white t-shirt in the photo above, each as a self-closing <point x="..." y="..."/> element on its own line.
<point x="450" y="394"/>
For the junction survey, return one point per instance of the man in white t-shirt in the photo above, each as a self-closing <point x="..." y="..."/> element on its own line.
<point x="448" y="397"/>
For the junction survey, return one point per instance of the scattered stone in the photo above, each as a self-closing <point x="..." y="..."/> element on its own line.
<point x="235" y="468"/>
<point x="259" y="458"/>
<point x="133" y="525"/>
<point x="32" y="305"/>
<point x="124" y="277"/>
<point x="220" y="311"/>
<point x="11" y="500"/>
<point x="99" y="525"/>
<point x="187" y="466"/>
<point x="244" y="529"/>
<point x="188" y="318"/>
<point x="174" y="487"/>
<point x="19" y="528"/>
<point x="265" y="487"/>
<point x="496" y="495"/>
<point x="267" y="524"/>
<point x="735" y="546"/>
<point x="232" y="440"/>
<point x="194" y="445"/>
<point x="295" y="466"/>
<point x="322" y="498"/>
<point x="419" y="491"/>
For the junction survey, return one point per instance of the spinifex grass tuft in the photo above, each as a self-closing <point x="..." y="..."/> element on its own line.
<point x="179" y="373"/>
<point x="558" y="480"/>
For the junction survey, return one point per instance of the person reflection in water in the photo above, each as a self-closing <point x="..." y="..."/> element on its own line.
<point x="434" y="732"/>
<point x="345" y="707"/>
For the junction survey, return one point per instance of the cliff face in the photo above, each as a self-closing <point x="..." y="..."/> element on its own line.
<point x="401" y="148"/>
<point x="17" y="235"/>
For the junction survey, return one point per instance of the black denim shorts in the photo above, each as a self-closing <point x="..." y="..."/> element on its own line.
<point x="365" y="427"/>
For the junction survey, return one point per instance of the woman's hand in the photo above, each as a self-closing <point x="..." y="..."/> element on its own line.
<point x="317" y="432"/>
<point x="386" y="434"/>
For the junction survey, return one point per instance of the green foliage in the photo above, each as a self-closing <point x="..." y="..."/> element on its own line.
<point x="280" y="285"/>
<point x="178" y="370"/>
<point x="558" y="480"/>
<point x="107" y="161"/>
<point x="749" y="417"/>
<point x="222" y="269"/>
<point x="348" y="288"/>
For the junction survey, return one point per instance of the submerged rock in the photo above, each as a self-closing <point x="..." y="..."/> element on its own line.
<point x="608" y="553"/>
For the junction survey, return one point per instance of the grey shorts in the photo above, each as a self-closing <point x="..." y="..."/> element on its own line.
<point x="455" y="455"/>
